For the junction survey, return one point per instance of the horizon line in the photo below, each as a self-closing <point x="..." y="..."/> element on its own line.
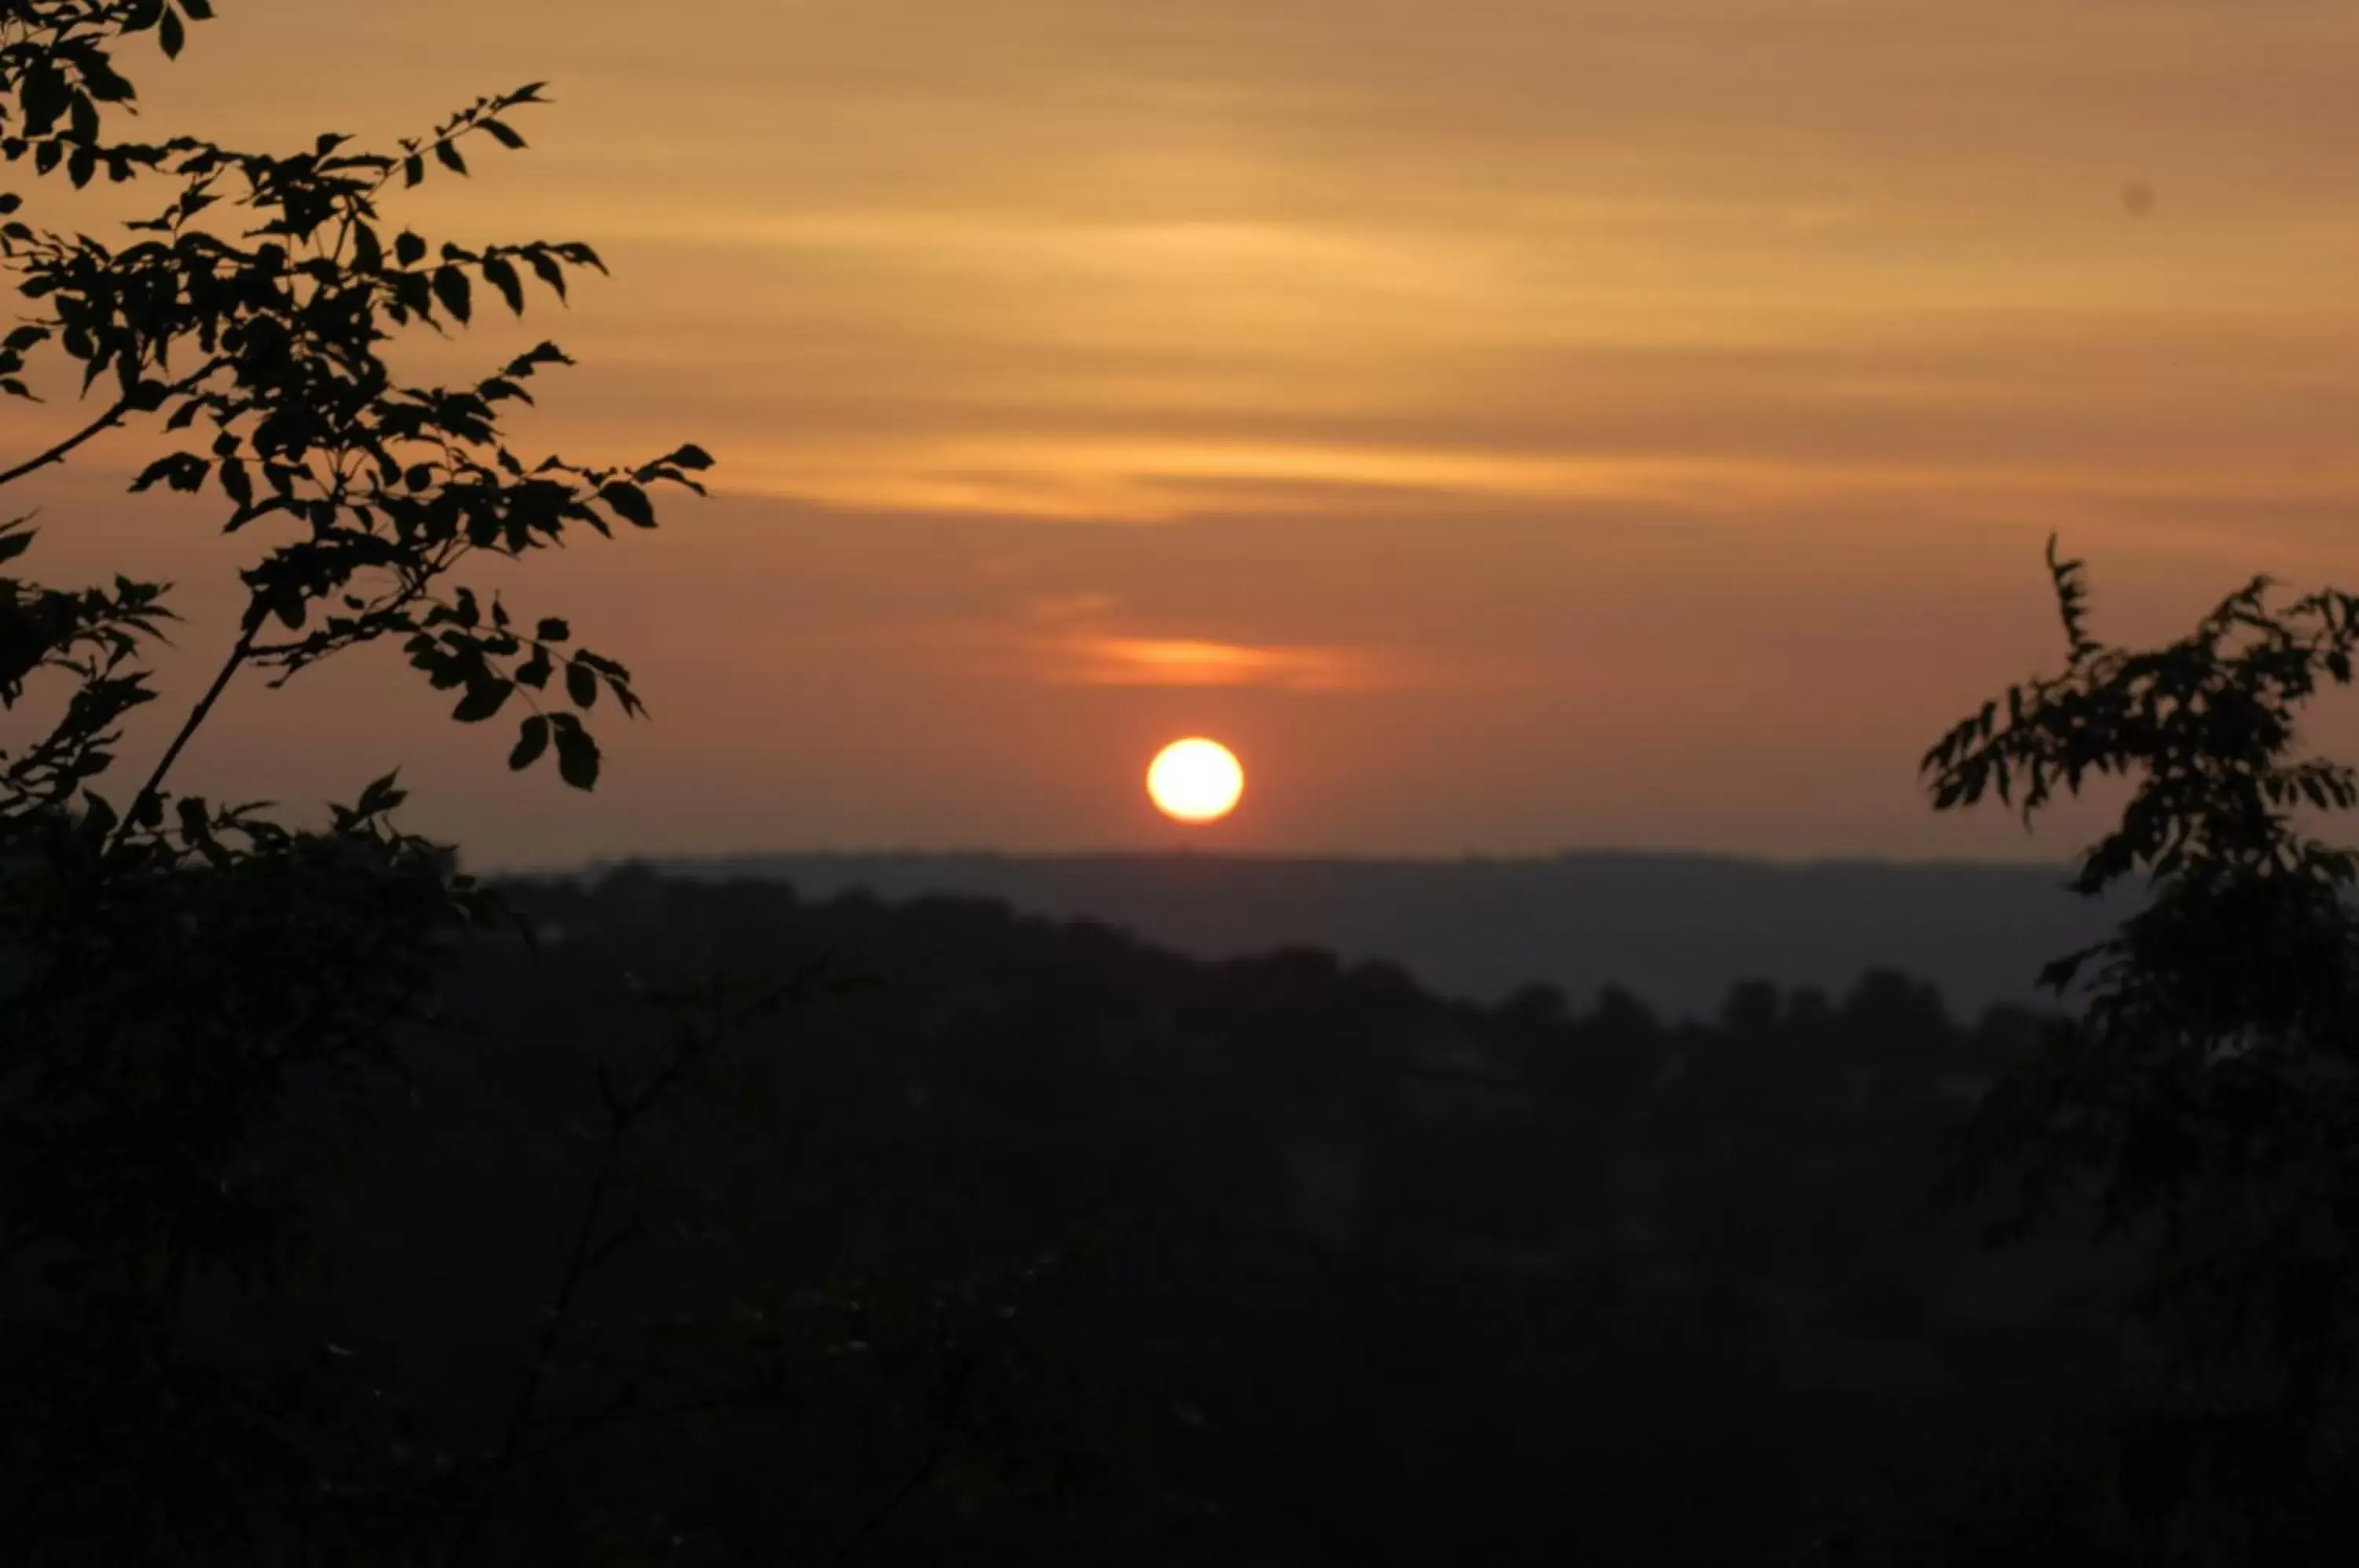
<point x="663" y="861"/>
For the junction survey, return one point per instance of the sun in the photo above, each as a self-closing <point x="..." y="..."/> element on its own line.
<point x="1195" y="781"/>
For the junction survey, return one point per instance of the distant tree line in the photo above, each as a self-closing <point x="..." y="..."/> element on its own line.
<point x="1330" y="1269"/>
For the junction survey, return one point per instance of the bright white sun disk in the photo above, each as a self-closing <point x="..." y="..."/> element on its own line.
<point x="1195" y="781"/>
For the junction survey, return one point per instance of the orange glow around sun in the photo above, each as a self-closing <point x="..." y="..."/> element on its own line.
<point x="1195" y="781"/>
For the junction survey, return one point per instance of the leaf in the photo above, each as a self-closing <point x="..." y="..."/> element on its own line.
<point x="99" y="819"/>
<point x="382" y="795"/>
<point x="549" y="270"/>
<point x="551" y="629"/>
<point x="533" y="359"/>
<point x="163" y="466"/>
<point x="408" y="248"/>
<point x="630" y="502"/>
<point x="46" y="95"/>
<point x="451" y="288"/>
<point x="447" y="154"/>
<point x="532" y="739"/>
<point x="485" y="698"/>
<point x="171" y="34"/>
<point x="576" y="754"/>
<point x="690" y="456"/>
<point x="502" y="275"/>
<point x="502" y="134"/>
<point x="581" y="684"/>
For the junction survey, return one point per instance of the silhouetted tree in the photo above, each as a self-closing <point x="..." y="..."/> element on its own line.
<point x="2204" y="1106"/>
<point x="176" y="974"/>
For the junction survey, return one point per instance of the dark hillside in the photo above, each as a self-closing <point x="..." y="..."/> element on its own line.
<point x="1355" y="1273"/>
<point x="1675" y="931"/>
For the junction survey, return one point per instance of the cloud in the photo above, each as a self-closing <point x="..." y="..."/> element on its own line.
<point x="1123" y="261"/>
<point x="1611" y="380"/>
<point x="1184" y="661"/>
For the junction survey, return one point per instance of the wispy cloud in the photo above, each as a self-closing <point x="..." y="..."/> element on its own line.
<point x="1185" y="661"/>
<point x="1681" y="388"/>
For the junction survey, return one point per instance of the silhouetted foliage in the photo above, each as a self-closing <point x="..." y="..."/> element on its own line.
<point x="179" y="975"/>
<point x="2202" y="1104"/>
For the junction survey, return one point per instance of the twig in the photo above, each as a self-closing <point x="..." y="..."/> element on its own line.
<point x="576" y="1427"/>
<point x="588" y="1252"/>
<point x="583" y="1259"/>
<point x="901" y="1494"/>
<point x="197" y="715"/>
<point x="106" y="421"/>
<point x="57" y="453"/>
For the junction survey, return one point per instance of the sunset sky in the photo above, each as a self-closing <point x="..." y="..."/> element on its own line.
<point x="1510" y="425"/>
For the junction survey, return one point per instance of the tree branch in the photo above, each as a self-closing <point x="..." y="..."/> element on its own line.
<point x="106" y="421"/>
<point x="583" y="1256"/>
<point x="868" y="1528"/>
<point x="197" y="716"/>
<point x="57" y="453"/>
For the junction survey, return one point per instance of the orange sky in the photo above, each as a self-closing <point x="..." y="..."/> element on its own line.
<point x="1510" y="425"/>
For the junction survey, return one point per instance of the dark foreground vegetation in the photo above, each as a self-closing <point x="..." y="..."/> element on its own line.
<point x="986" y="1235"/>
<point x="1051" y="1244"/>
<point x="1347" y="1274"/>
